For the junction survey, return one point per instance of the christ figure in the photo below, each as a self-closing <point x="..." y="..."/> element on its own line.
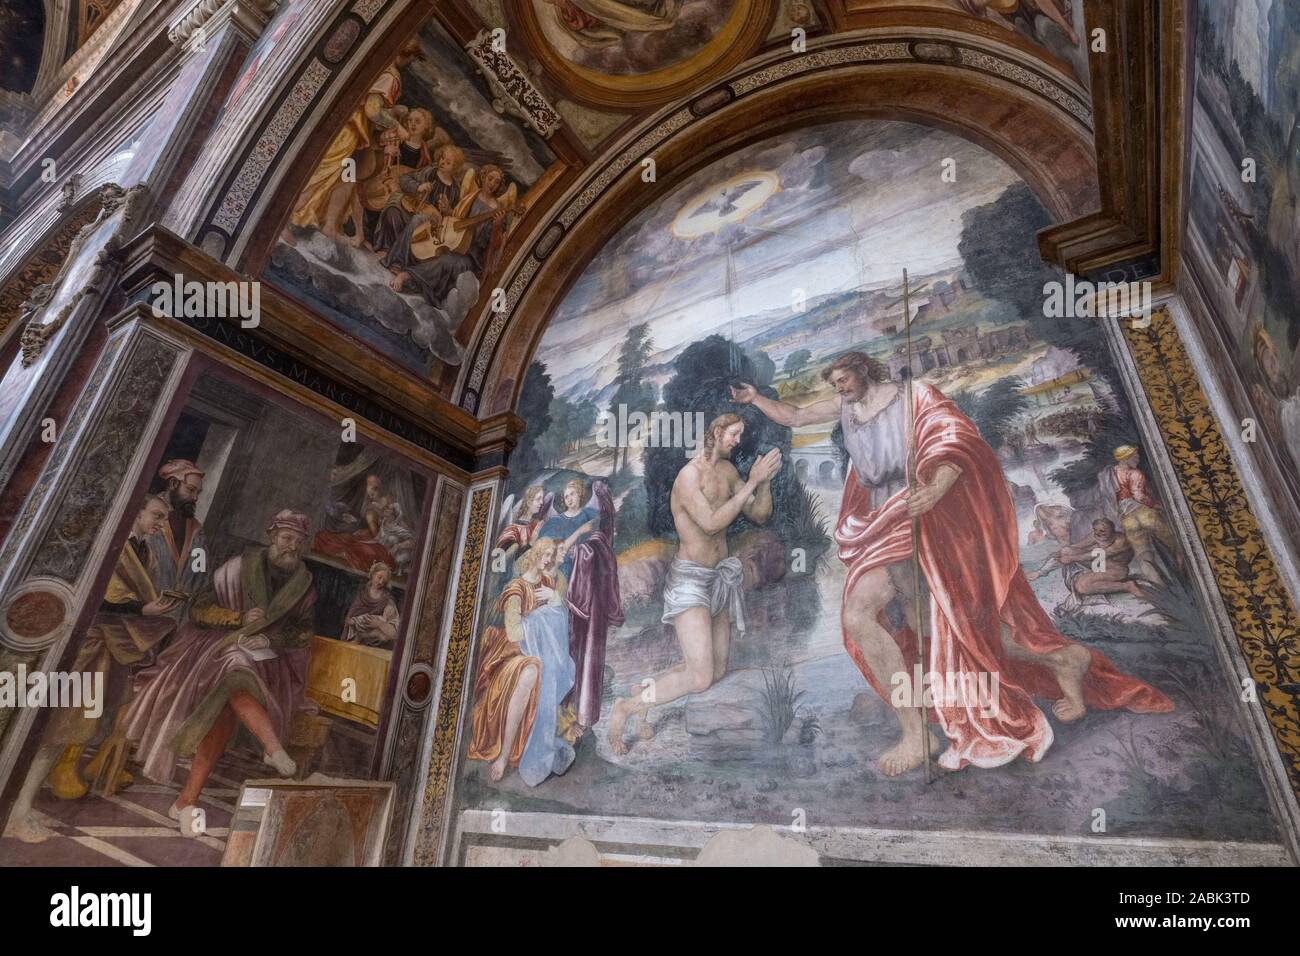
<point x="702" y="595"/>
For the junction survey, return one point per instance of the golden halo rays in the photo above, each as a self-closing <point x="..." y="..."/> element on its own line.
<point x="724" y="203"/>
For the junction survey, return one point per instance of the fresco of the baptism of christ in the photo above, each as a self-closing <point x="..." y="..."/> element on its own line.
<point x="705" y="593"/>
<point x="396" y="246"/>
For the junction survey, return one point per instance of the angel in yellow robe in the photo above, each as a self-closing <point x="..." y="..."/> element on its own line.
<point x="327" y="200"/>
<point x="524" y="674"/>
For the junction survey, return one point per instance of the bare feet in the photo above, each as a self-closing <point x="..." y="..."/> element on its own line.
<point x="498" y="768"/>
<point x="28" y="830"/>
<point x="1070" y="664"/>
<point x="617" y="723"/>
<point x="284" y="764"/>
<point x="906" y="754"/>
<point x="399" y="280"/>
<point x="643" y="729"/>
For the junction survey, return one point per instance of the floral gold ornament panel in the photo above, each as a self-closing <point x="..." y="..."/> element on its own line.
<point x="454" y="673"/>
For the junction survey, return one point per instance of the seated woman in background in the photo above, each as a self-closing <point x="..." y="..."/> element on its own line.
<point x="526" y="672"/>
<point x="373" y="617"/>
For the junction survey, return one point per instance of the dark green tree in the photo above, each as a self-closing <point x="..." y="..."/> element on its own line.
<point x="795" y="361"/>
<point x="764" y="367"/>
<point x="701" y="376"/>
<point x="632" y="391"/>
<point x="535" y="409"/>
<point x="998" y="407"/>
<point x="999" y="246"/>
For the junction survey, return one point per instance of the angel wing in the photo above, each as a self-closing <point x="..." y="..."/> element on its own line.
<point x="436" y="140"/>
<point x="507" y="514"/>
<point x="468" y="185"/>
<point x="604" y="505"/>
<point x="481" y="157"/>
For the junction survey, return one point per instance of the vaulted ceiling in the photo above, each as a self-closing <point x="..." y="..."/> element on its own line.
<point x="38" y="36"/>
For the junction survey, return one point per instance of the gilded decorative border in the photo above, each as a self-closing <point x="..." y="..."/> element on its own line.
<point x="1263" y="615"/>
<point x="442" y="753"/>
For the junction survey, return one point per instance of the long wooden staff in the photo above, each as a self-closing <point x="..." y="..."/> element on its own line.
<point x="916" y="530"/>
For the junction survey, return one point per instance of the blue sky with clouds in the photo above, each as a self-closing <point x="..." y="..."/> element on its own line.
<point x="858" y="201"/>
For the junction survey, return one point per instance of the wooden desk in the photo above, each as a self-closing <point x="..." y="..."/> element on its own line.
<point x="332" y="662"/>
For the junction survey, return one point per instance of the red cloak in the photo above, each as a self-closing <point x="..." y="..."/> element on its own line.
<point x="971" y="561"/>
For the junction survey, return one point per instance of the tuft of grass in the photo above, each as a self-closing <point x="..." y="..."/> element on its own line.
<point x="780" y="703"/>
<point x="1216" y="734"/>
<point x="1176" y="603"/>
<point x="1128" y="750"/>
<point x="809" y="728"/>
<point x="810" y="527"/>
<point x="1094" y="627"/>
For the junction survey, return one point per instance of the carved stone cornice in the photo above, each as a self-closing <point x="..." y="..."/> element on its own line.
<point x="37" y="328"/>
<point x="1137" y="95"/>
<point x="290" y="344"/>
<point x="206" y="15"/>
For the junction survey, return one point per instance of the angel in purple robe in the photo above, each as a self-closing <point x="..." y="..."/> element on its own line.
<point x="590" y="567"/>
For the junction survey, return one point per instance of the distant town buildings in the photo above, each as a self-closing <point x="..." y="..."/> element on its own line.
<point x="958" y="346"/>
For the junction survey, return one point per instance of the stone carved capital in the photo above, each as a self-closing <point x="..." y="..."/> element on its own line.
<point x="37" y="330"/>
<point x="205" y="15"/>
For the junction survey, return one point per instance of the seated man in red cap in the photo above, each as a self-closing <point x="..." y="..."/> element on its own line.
<point x="241" y="659"/>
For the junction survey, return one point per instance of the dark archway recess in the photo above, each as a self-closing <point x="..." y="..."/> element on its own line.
<point x="22" y="38"/>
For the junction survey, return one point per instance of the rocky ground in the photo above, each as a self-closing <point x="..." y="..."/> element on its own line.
<point x="1184" y="774"/>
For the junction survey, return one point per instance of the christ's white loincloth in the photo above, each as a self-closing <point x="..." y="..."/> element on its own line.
<point x="693" y="585"/>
